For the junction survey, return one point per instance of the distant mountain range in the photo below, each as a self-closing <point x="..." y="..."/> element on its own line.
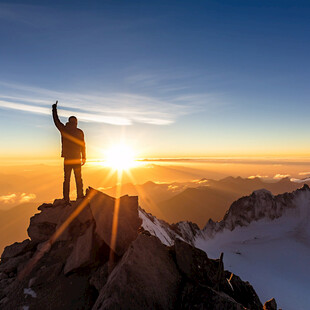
<point x="197" y="201"/>
<point x="14" y="223"/>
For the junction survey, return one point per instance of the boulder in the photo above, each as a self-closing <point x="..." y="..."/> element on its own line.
<point x="46" y="274"/>
<point x="15" y="249"/>
<point x="242" y="292"/>
<point x="203" y="298"/>
<point x="145" y="278"/>
<point x="195" y="264"/>
<point x="12" y="264"/>
<point x="43" y="225"/>
<point x="270" y="305"/>
<point x="83" y="252"/>
<point x="100" y="277"/>
<point x="124" y="213"/>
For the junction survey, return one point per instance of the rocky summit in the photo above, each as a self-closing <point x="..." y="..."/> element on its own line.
<point x="95" y="255"/>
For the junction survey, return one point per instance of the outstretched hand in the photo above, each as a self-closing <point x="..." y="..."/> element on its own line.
<point x="55" y="104"/>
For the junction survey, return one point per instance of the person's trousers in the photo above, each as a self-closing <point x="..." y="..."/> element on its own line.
<point x="78" y="180"/>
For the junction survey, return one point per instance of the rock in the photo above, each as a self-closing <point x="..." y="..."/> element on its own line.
<point x="243" y="292"/>
<point x="104" y="208"/>
<point x="83" y="253"/>
<point x="4" y="301"/>
<point x="46" y="275"/>
<point x="145" y="278"/>
<point x="270" y="305"/>
<point x="203" y="297"/>
<point x="188" y="231"/>
<point x="58" y="202"/>
<point x="100" y="277"/>
<point x="45" y="206"/>
<point x="40" y="231"/>
<point x="43" y="225"/>
<point x="5" y="285"/>
<point x="15" y="249"/>
<point x="3" y="276"/>
<point x="12" y="264"/>
<point x="195" y="264"/>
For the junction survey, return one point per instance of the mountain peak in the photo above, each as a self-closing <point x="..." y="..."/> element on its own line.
<point x="260" y="204"/>
<point x="98" y="254"/>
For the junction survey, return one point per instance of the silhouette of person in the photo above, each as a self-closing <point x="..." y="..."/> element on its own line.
<point x="73" y="152"/>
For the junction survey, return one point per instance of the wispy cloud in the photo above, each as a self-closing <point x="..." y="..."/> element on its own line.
<point x="113" y="108"/>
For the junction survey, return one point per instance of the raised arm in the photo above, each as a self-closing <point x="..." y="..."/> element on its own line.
<point x="60" y="126"/>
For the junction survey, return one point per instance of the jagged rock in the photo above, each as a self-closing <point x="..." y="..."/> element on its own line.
<point x="5" y="286"/>
<point x="15" y="249"/>
<point x="187" y="230"/>
<point x="3" y="276"/>
<point x="145" y="278"/>
<point x="43" y="225"/>
<point x="46" y="274"/>
<point x="242" y="292"/>
<point x="74" y="270"/>
<point x="271" y="304"/>
<point x="260" y="204"/>
<point x="195" y="264"/>
<point x="100" y="277"/>
<point x="45" y="206"/>
<point x="204" y="298"/>
<point x="40" y="230"/>
<point x="125" y="210"/>
<point x="12" y="264"/>
<point x="4" y="301"/>
<point x="83" y="253"/>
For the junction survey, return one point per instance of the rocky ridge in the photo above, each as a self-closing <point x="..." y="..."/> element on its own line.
<point x="74" y="261"/>
<point x="260" y="204"/>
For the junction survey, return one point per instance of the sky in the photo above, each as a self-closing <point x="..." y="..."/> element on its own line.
<point x="170" y="78"/>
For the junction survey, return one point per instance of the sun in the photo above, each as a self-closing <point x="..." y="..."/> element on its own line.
<point x="120" y="157"/>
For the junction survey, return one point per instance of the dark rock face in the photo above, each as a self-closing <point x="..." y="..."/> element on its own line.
<point x="145" y="278"/>
<point x="270" y="304"/>
<point x="243" y="292"/>
<point x="195" y="264"/>
<point x="15" y="249"/>
<point x="104" y="208"/>
<point x="75" y="270"/>
<point x="204" y="298"/>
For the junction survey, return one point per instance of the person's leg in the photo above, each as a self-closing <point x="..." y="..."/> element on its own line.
<point x="66" y="184"/>
<point x="78" y="181"/>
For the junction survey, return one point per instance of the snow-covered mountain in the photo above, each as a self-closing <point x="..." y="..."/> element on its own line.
<point x="265" y="239"/>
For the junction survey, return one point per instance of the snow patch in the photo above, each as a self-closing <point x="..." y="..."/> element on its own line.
<point x="30" y="292"/>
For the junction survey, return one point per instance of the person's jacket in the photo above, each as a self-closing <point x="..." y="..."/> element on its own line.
<point x="72" y="139"/>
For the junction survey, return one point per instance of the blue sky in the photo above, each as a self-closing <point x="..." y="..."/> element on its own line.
<point x="177" y="78"/>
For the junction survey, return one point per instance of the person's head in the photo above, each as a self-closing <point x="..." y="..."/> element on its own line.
<point x="73" y="121"/>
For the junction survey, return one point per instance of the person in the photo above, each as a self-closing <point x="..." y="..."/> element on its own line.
<point x="73" y="152"/>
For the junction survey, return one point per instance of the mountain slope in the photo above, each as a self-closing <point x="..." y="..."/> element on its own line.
<point x="271" y="233"/>
<point x="76" y="258"/>
<point x="14" y="223"/>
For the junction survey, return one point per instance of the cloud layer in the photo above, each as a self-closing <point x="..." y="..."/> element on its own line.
<point x="17" y="198"/>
